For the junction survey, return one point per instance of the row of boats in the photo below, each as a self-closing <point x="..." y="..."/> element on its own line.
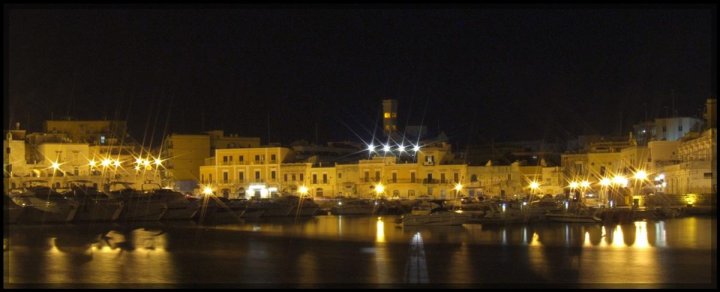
<point x="494" y="212"/>
<point x="85" y="203"/>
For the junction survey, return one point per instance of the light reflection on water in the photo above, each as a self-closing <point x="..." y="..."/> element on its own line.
<point x="335" y="249"/>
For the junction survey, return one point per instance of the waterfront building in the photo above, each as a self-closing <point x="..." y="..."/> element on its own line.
<point x="185" y="153"/>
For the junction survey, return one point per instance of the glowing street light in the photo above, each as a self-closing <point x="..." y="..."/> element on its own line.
<point x="605" y="182"/>
<point x="379" y="189"/>
<point x="641" y="175"/>
<point x="573" y="185"/>
<point x="207" y="190"/>
<point x="303" y="190"/>
<point x="401" y="148"/>
<point x="116" y="163"/>
<point x="158" y="162"/>
<point x="371" y="148"/>
<point x="92" y="163"/>
<point x="457" y="188"/>
<point x="534" y="186"/>
<point x="105" y="162"/>
<point x="416" y="148"/>
<point x="386" y="148"/>
<point x="55" y="165"/>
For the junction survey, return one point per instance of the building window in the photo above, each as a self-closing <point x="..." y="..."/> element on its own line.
<point x="210" y="178"/>
<point x="367" y="176"/>
<point x="272" y="174"/>
<point x="394" y="177"/>
<point x="473" y="178"/>
<point x="314" y="178"/>
<point x="272" y="157"/>
<point x="225" y="177"/>
<point x="241" y="158"/>
<point x="241" y="176"/>
<point x="285" y="177"/>
<point x="456" y="177"/>
<point x="319" y="192"/>
<point x="442" y="178"/>
<point x="386" y="115"/>
<point x="324" y="178"/>
<point x="339" y="174"/>
<point x="257" y="175"/>
<point x="396" y="194"/>
<point x="293" y="177"/>
<point x="412" y="177"/>
<point x="377" y="176"/>
<point x="411" y="193"/>
<point x="301" y="177"/>
<point x="680" y="128"/>
<point x="225" y="160"/>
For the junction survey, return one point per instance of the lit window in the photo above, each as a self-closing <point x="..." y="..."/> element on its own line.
<point x="387" y="115"/>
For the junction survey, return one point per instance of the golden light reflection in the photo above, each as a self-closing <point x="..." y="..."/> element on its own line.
<point x="535" y="241"/>
<point x="618" y="238"/>
<point x="380" y="235"/>
<point x="641" y="235"/>
<point x="586" y="242"/>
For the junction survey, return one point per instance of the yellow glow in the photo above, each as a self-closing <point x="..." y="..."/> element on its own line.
<point x="573" y="185"/>
<point x="92" y="163"/>
<point x="158" y="161"/>
<point x="641" y="175"/>
<point x="585" y="184"/>
<point x="534" y="185"/>
<point x="116" y="163"/>
<point x="139" y="161"/>
<point x="535" y="241"/>
<point x="207" y="191"/>
<point x="458" y="187"/>
<point x="387" y="115"/>
<point x="691" y="199"/>
<point x="303" y="190"/>
<point x="618" y="238"/>
<point x="380" y="234"/>
<point x="641" y="235"/>
<point x="146" y="162"/>
<point x="605" y="182"/>
<point x="620" y="180"/>
<point x="379" y="188"/>
<point x="416" y="148"/>
<point x="587" y="242"/>
<point x="55" y="165"/>
<point x="105" y="162"/>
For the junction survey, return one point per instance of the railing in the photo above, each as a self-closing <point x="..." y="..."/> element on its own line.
<point x="430" y="181"/>
<point x="401" y="181"/>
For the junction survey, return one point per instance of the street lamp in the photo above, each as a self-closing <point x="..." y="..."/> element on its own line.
<point x="379" y="189"/>
<point x="604" y="184"/>
<point x="303" y="190"/>
<point x="458" y="187"/>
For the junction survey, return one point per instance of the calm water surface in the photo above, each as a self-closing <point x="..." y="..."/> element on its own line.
<point x="362" y="251"/>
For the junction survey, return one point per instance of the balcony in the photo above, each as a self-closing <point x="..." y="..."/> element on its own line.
<point x="401" y="181"/>
<point x="430" y="181"/>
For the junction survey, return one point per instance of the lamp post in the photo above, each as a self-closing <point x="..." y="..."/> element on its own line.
<point x="303" y="190"/>
<point x="604" y="184"/>
<point x="457" y="188"/>
<point x="640" y="176"/>
<point x="379" y="189"/>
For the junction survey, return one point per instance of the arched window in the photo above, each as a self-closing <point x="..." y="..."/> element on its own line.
<point x="319" y="192"/>
<point x="473" y="178"/>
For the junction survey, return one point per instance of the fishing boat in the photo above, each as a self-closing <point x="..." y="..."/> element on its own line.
<point x="42" y="204"/>
<point x="435" y="218"/>
<point x="578" y="215"/>
<point x="93" y="204"/>
<point x="353" y="207"/>
<point x="139" y="205"/>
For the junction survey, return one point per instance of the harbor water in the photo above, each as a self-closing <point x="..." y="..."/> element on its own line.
<point x="361" y="251"/>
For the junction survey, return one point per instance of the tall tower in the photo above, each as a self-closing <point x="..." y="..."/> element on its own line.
<point x="711" y="113"/>
<point x="389" y="116"/>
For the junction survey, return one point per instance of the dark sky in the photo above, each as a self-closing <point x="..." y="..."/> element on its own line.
<point x="477" y="73"/>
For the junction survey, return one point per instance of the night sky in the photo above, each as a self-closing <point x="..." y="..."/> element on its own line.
<point x="477" y="73"/>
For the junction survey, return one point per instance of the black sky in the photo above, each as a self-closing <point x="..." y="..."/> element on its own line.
<point x="477" y="73"/>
